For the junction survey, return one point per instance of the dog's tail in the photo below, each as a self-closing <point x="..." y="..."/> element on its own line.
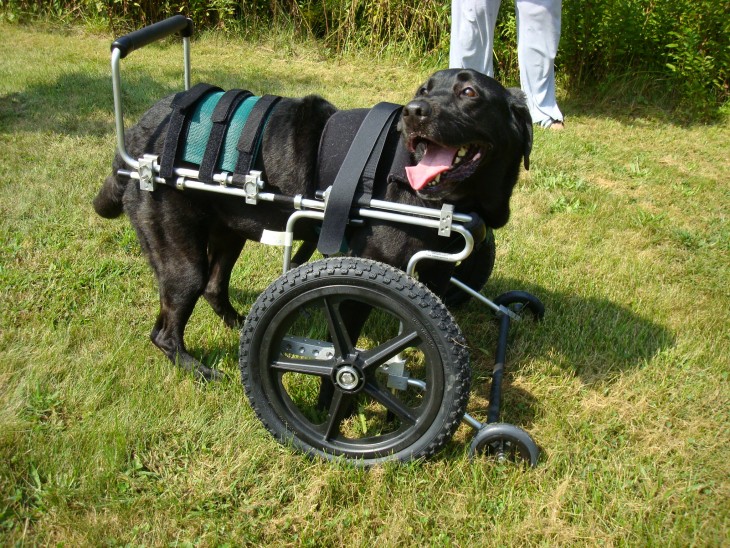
<point x="108" y="202"/>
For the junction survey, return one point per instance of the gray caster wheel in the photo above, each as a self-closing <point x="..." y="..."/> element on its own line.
<point x="518" y="301"/>
<point x="506" y="443"/>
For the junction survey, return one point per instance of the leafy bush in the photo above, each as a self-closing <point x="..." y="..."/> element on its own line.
<point x="682" y="47"/>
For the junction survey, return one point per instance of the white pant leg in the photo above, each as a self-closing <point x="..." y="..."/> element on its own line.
<point x="472" y="34"/>
<point x="538" y="34"/>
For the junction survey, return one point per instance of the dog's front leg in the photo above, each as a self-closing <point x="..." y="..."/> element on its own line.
<point x="224" y="248"/>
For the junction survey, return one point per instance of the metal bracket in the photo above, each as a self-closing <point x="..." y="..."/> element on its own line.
<point x="509" y="312"/>
<point x="307" y="348"/>
<point x="146" y="172"/>
<point x="398" y="377"/>
<point x="251" y="185"/>
<point x="326" y="195"/>
<point x="445" y="220"/>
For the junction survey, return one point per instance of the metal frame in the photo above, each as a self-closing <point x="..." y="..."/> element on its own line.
<point x="445" y="221"/>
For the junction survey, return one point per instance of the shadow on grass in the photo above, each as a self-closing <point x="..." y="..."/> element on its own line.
<point x="79" y="103"/>
<point x="629" y="98"/>
<point x="593" y="338"/>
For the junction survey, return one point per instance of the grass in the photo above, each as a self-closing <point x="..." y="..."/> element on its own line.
<point x="620" y="227"/>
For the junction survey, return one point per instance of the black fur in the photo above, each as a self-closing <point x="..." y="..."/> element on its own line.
<point x="193" y="239"/>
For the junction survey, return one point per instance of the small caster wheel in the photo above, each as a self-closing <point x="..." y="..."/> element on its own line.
<point x="505" y="442"/>
<point x="518" y="301"/>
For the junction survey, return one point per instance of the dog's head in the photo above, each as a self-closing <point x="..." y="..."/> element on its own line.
<point x="468" y="135"/>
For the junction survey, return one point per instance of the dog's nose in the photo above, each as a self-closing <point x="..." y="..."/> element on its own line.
<point x="417" y="109"/>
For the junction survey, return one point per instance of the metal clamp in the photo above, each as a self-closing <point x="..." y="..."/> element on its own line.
<point x="251" y="185"/>
<point x="398" y="377"/>
<point x="445" y="220"/>
<point x="146" y="170"/>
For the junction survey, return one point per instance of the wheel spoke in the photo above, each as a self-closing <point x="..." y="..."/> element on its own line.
<point x="332" y="426"/>
<point x="382" y="353"/>
<point x="391" y="403"/>
<point x="308" y="367"/>
<point x="338" y="330"/>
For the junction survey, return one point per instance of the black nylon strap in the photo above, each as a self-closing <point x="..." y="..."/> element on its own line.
<point x="180" y="107"/>
<point x="221" y="114"/>
<point x="251" y="134"/>
<point x="363" y="148"/>
<point x="371" y="167"/>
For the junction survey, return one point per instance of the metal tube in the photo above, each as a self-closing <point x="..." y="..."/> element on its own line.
<point x="471" y="421"/>
<point x="461" y="285"/>
<point x="293" y="218"/>
<point x="186" y="61"/>
<point x="439" y="256"/>
<point x="417" y="210"/>
<point x="118" y="114"/>
<point x="314" y="209"/>
<point x="495" y="391"/>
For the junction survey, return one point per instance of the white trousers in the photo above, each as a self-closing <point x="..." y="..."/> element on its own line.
<point x="538" y="34"/>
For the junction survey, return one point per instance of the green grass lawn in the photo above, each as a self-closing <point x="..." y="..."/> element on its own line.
<point x="620" y="227"/>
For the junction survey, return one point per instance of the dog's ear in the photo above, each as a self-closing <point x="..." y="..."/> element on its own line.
<point x="518" y="105"/>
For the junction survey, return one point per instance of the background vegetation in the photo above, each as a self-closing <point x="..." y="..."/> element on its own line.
<point x="621" y="227"/>
<point x="676" y="53"/>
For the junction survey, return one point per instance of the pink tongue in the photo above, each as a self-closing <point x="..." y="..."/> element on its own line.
<point x="436" y="160"/>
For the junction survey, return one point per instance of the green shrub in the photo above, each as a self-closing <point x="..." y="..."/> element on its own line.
<point x="682" y="46"/>
<point x="681" y="49"/>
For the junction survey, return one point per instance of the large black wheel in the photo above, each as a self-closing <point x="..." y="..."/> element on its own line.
<point x="506" y="443"/>
<point x="381" y="345"/>
<point x="473" y="271"/>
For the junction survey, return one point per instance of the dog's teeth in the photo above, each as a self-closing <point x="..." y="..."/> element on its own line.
<point x="462" y="152"/>
<point x="437" y="179"/>
<point x="457" y="160"/>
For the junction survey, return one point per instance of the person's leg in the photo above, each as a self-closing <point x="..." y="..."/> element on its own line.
<point x="538" y="34"/>
<point x="472" y="34"/>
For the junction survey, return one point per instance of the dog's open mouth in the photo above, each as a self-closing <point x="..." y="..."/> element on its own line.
<point x="441" y="165"/>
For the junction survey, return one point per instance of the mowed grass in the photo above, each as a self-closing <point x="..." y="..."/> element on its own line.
<point x="620" y="227"/>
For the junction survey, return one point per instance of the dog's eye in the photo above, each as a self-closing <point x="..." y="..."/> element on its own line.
<point x="469" y="92"/>
<point x="423" y="91"/>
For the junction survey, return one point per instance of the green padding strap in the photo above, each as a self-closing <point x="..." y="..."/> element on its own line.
<point x="200" y="125"/>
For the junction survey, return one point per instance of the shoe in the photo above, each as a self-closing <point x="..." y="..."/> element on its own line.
<point x="555" y="125"/>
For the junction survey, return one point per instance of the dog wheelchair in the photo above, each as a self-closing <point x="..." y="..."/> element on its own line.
<point x="345" y="357"/>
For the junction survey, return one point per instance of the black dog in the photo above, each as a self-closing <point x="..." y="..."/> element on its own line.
<point x="464" y="136"/>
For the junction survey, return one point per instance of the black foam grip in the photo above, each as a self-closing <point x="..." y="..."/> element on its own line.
<point x="151" y="33"/>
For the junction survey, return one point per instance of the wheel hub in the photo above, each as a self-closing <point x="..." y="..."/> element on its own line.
<point x="349" y="378"/>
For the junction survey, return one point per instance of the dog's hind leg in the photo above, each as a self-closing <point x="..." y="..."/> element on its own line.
<point x="179" y="293"/>
<point x="174" y="238"/>
<point x="224" y="248"/>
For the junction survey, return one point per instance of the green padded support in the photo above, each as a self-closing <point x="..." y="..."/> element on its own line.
<point x="198" y="131"/>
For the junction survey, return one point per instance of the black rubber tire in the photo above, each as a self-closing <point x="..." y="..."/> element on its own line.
<point x="506" y="442"/>
<point x="310" y="302"/>
<point x="473" y="271"/>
